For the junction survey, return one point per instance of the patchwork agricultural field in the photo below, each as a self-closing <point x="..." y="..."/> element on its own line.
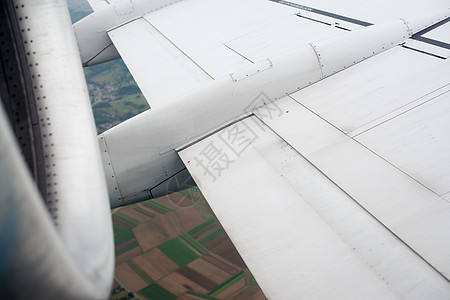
<point x="174" y="248"/>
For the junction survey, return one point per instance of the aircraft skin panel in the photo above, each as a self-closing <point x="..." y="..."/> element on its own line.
<point x="420" y="136"/>
<point x="203" y="22"/>
<point x="299" y="232"/>
<point x="409" y="209"/>
<point x="288" y="33"/>
<point x="155" y="62"/>
<point x="372" y="109"/>
<point x="356" y="109"/>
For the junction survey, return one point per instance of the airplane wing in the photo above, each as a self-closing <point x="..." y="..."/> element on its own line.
<point x="340" y="190"/>
<point x="179" y="47"/>
<point x="316" y="130"/>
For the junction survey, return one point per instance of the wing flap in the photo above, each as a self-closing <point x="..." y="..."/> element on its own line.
<point x="411" y="210"/>
<point x="299" y="232"/>
<point x="383" y="143"/>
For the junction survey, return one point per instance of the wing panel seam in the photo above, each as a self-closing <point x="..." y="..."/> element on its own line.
<point x="181" y="51"/>
<point x="370" y="150"/>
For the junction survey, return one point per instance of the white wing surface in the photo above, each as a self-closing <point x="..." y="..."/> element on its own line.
<point x="174" y="49"/>
<point x="322" y="152"/>
<point x="341" y="189"/>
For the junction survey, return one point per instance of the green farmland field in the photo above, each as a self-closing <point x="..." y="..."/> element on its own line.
<point x="177" y="251"/>
<point x="155" y="292"/>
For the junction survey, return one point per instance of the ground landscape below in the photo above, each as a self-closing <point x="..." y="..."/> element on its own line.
<point x="174" y="248"/>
